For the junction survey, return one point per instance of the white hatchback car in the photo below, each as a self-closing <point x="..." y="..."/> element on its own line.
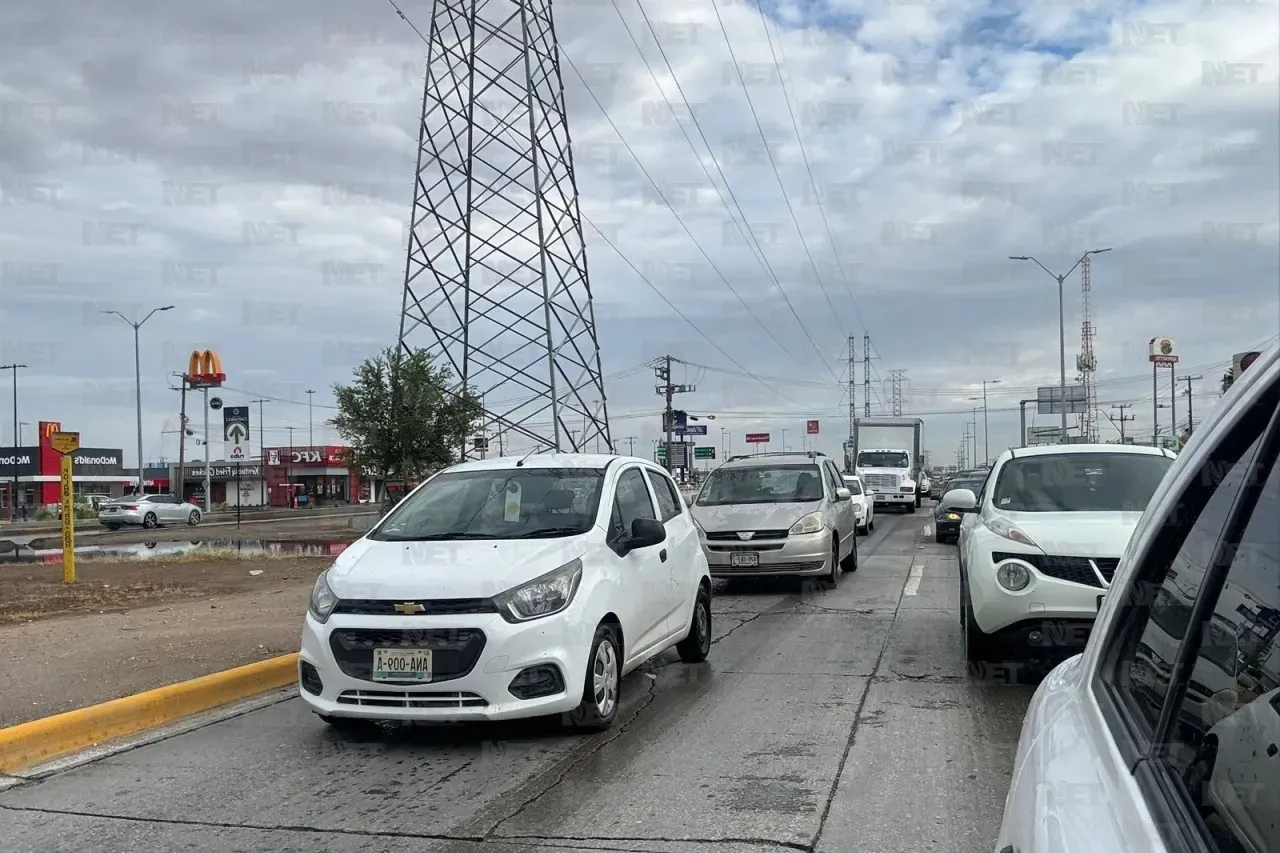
<point x="509" y="588"/>
<point x="864" y="508"/>
<point x="1120" y="756"/>
<point x="1042" y="546"/>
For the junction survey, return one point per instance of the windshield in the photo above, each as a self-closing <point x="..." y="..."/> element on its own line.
<point x="1170" y="614"/>
<point x="883" y="459"/>
<point x="853" y="485"/>
<point x="506" y="503"/>
<point x="1080" y="482"/>
<point x="974" y="486"/>
<point x="1219" y="646"/>
<point x="762" y="485"/>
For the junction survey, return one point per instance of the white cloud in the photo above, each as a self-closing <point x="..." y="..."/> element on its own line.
<point x="255" y="169"/>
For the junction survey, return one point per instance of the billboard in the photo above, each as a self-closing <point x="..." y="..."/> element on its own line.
<point x="1049" y="400"/>
<point x="757" y="438"/>
<point x="1162" y="351"/>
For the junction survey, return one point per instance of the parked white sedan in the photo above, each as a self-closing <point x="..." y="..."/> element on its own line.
<point x="501" y="589"/>
<point x="1120" y="756"/>
<point x="148" y="511"/>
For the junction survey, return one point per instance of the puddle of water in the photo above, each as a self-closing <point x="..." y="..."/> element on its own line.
<point x="168" y="550"/>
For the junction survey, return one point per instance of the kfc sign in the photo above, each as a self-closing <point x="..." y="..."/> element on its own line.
<point x="312" y="456"/>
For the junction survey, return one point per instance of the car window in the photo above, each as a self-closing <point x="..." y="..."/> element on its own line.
<point x="1225" y="742"/>
<point x="665" y="491"/>
<point x="1079" y="482"/>
<point x="1146" y="674"/>
<point x="762" y="484"/>
<point x="853" y="485"/>
<point x="834" y="480"/>
<point x="631" y="502"/>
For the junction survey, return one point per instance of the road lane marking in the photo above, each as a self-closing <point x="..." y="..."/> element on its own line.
<point x="913" y="580"/>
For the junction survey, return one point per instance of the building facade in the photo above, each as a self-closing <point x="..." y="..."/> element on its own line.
<point x="313" y="476"/>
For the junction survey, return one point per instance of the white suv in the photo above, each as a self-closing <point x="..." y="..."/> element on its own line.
<point x="1042" y="546"/>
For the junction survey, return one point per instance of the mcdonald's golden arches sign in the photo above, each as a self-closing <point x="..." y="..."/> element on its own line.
<point x="204" y="370"/>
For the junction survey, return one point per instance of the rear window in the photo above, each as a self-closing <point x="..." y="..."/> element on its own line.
<point x="1080" y="482"/>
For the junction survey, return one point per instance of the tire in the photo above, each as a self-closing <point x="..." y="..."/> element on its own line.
<point x="910" y="509"/>
<point x="113" y="526"/>
<point x="978" y="648"/>
<point x="832" y="578"/>
<point x="939" y="538"/>
<point x="193" y="518"/>
<point x="149" y="521"/>
<point x="918" y="500"/>
<point x="599" y="707"/>
<point x="871" y="525"/>
<point x="862" y="531"/>
<point x="696" y="645"/>
<point x="850" y="563"/>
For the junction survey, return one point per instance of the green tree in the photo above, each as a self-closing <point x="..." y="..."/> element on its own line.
<point x="401" y="417"/>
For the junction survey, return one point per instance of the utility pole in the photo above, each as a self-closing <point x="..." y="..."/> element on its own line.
<point x="668" y="391"/>
<point x="181" y="492"/>
<point x="311" y="437"/>
<point x="1122" y="420"/>
<point x="208" y="484"/>
<point x="1190" y="409"/>
<point x="262" y="451"/>
<point x="288" y="471"/>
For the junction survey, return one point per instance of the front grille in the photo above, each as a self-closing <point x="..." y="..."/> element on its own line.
<point x="1073" y="569"/>
<point x="439" y="607"/>
<point x="771" y="568"/>
<point x="732" y="535"/>
<point x="725" y="549"/>
<point x="401" y="699"/>
<point x="880" y="482"/>
<point x="454" y="651"/>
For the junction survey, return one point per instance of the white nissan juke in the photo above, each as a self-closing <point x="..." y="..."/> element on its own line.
<point x="509" y="588"/>
<point x="1038" y="548"/>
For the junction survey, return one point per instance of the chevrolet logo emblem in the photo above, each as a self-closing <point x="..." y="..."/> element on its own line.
<point x="747" y="535"/>
<point x="409" y="607"/>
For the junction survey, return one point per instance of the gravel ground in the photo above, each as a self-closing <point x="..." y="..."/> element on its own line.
<point x="127" y="627"/>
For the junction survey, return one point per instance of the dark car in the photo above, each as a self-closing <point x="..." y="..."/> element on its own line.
<point x="946" y="524"/>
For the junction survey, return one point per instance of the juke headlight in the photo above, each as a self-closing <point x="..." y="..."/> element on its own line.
<point x="542" y="596"/>
<point x="322" y="599"/>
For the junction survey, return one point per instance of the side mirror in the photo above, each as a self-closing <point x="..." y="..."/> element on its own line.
<point x="843" y="494"/>
<point x="645" y="533"/>
<point x="960" y="500"/>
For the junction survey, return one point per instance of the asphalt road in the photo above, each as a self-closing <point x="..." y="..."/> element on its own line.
<point x="834" y="722"/>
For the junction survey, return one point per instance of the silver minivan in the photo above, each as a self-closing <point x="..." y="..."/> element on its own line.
<point x="777" y="514"/>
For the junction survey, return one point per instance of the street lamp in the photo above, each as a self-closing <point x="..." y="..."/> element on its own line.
<point x="13" y="498"/>
<point x="1062" y="327"/>
<point x="137" y="381"/>
<point x="986" y="439"/>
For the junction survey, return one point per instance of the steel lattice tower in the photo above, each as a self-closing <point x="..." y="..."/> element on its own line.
<point x="853" y="385"/>
<point x="895" y="388"/>
<point x="1086" y="363"/>
<point x="866" y="375"/>
<point x="496" y="274"/>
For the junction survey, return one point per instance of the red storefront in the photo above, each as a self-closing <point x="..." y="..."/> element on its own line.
<point x="315" y="476"/>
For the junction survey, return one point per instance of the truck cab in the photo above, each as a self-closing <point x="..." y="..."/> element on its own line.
<point x="887" y="474"/>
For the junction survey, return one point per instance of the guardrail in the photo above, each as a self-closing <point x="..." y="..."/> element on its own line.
<point x="28" y="527"/>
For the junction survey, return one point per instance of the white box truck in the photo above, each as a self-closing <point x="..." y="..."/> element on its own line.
<point x="887" y="454"/>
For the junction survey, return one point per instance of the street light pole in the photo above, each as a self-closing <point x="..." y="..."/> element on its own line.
<point x="137" y="378"/>
<point x="13" y="496"/>
<point x="311" y="438"/>
<point x="986" y="432"/>
<point x="1062" y="327"/>
<point x="262" y="451"/>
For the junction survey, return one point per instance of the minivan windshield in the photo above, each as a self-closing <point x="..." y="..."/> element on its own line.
<point x="766" y="484"/>
<point x="884" y="459"/>
<point x="504" y="503"/>
<point x="1080" y="482"/>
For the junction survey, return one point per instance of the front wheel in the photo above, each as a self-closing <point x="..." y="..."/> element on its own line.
<point x="832" y="578"/>
<point x="600" y="690"/>
<point x="911" y="508"/>
<point x="850" y="564"/>
<point x="193" y="518"/>
<point x="149" y="521"/>
<point x="695" y="647"/>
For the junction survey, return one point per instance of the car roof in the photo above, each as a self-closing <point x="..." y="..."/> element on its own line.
<point x="1074" y="449"/>
<point x="766" y="460"/>
<point x="597" y="461"/>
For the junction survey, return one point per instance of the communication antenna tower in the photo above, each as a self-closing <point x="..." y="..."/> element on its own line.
<point x="495" y="278"/>
<point x="1086" y="363"/>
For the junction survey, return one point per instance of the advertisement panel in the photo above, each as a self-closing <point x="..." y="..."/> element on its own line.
<point x="97" y="462"/>
<point x="20" y="462"/>
<point x="757" y="438"/>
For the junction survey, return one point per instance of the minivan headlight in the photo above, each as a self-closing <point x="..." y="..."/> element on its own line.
<point x="811" y="523"/>
<point x="542" y="596"/>
<point x="322" y="599"/>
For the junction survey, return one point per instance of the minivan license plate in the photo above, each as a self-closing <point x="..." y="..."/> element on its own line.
<point x="402" y="665"/>
<point x="744" y="560"/>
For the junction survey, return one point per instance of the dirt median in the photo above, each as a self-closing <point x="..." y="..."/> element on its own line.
<point x="125" y="627"/>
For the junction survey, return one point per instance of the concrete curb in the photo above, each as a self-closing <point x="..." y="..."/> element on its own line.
<point x="39" y="741"/>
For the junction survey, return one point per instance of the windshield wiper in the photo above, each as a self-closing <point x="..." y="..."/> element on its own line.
<point x="441" y="537"/>
<point x="550" y="531"/>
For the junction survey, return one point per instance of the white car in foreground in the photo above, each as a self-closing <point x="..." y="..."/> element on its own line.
<point x="1050" y="526"/>
<point x="509" y="588"/>
<point x="864" y="508"/>
<point x="1117" y="756"/>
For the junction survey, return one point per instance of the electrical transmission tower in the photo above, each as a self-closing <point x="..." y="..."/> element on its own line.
<point x="1086" y="363"/>
<point x="896" y="378"/>
<point x="495" y="279"/>
<point x="866" y="376"/>
<point x="853" y="384"/>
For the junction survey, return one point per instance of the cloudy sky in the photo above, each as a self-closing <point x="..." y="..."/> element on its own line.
<point x="758" y="183"/>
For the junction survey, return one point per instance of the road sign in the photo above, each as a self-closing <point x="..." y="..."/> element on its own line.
<point x="68" y="507"/>
<point x="65" y="442"/>
<point x="811" y="428"/>
<point x="757" y="438"/>
<point x="1049" y="400"/>
<point x="215" y="403"/>
<point x="704" y="453"/>
<point x="235" y="430"/>
<point x="693" y="429"/>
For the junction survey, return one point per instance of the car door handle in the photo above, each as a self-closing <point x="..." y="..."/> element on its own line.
<point x="662" y="555"/>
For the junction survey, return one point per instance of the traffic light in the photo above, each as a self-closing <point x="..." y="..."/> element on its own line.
<point x="1240" y="362"/>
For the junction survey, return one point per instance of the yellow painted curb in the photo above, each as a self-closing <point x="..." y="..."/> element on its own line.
<point x="38" y="741"/>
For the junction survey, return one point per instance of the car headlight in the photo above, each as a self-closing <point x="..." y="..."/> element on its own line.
<point x="322" y="598"/>
<point x="542" y="596"/>
<point x="951" y="516"/>
<point x="811" y="523"/>
<point x="1013" y="576"/>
